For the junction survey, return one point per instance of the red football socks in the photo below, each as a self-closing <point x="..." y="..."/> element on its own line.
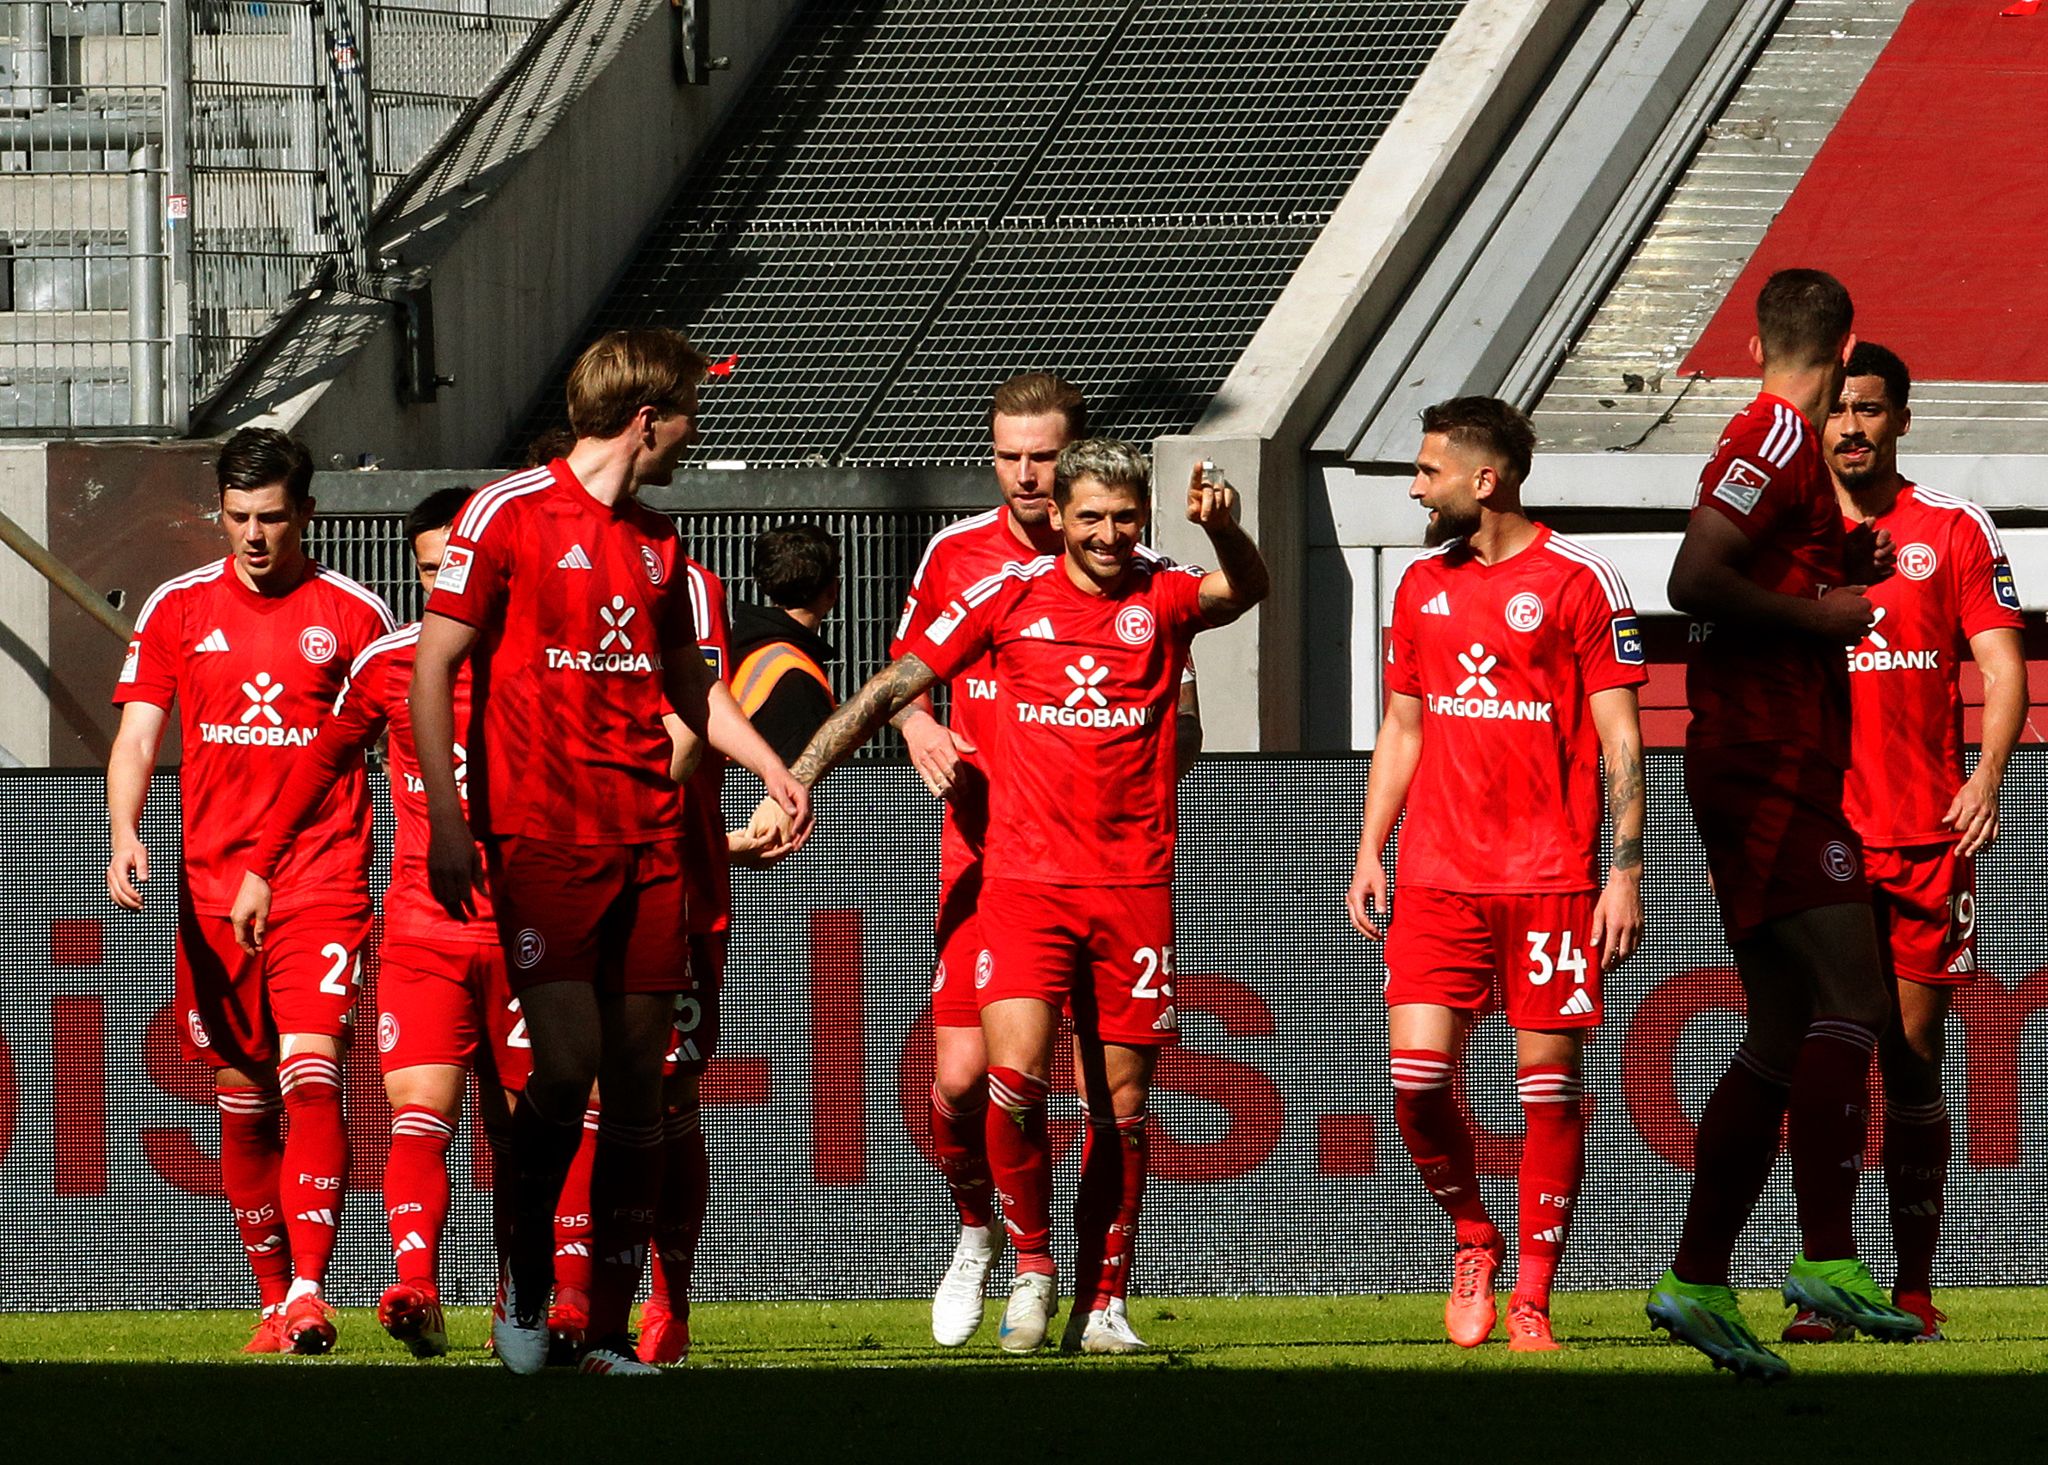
<point x="1020" y="1157"/>
<point x="1916" y="1151"/>
<point x="1733" y="1153"/>
<point x="625" y="1182"/>
<point x="679" y="1214"/>
<point x="573" y="1213"/>
<point x="315" y="1161"/>
<point x="1830" y="1116"/>
<point x="416" y="1191"/>
<point x="1547" y="1186"/>
<point x="1112" y="1192"/>
<point x="1439" y="1140"/>
<point x="960" y="1141"/>
<point x="251" y="1149"/>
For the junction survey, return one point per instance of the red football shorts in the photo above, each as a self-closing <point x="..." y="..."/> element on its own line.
<point x="1776" y="839"/>
<point x="306" y="981"/>
<point x="613" y="915"/>
<point x="1925" y="900"/>
<point x="961" y="953"/>
<point x="1531" y="955"/>
<point x="1105" y="949"/>
<point x="449" y="1003"/>
<point x="695" y="1035"/>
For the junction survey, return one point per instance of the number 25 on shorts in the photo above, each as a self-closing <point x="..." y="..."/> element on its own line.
<point x="1155" y="973"/>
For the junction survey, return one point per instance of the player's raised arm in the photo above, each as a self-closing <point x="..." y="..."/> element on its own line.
<point x="1710" y="581"/>
<point x="129" y="765"/>
<point x="453" y="870"/>
<point x="1240" y="580"/>
<point x="1973" y="814"/>
<point x="1395" y="753"/>
<point x="1618" y="918"/>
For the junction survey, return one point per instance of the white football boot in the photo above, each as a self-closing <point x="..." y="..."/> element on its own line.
<point x="1109" y="1331"/>
<point x="519" y="1331"/>
<point x="1034" y="1297"/>
<point x="957" y="1305"/>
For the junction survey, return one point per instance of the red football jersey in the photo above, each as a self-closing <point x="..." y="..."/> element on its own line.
<point x="1083" y="730"/>
<point x="959" y="557"/>
<point x="373" y="701"/>
<point x="710" y="867"/>
<point x="253" y="677"/>
<point x="575" y="605"/>
<point x="1746" y="685"/>
<point x="1906" y="700"/>
<point x="1506" y="797"/>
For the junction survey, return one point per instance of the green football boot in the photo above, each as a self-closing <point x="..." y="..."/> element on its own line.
<point x="1846" y="1292"/>
<point x="1708" y="1318"/>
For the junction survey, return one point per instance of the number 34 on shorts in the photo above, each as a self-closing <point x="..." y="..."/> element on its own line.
<point x="1529" y="954"/>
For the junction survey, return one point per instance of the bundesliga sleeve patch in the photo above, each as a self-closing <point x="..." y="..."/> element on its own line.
<point x="2002" y="586"/>
<point x="132" y="662"/>
<point x="454" y="575"/>
<point x="1742" y="486"/>
<point x="942" y="628"/>
<point x="1628" y="641"/>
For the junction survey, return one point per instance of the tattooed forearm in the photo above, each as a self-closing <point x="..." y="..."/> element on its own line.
<point x="861" y="716"/>
<point x="1625" y="804"/>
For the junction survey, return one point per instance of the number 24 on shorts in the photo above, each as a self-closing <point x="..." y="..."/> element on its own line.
<point x="1543" y="966"/>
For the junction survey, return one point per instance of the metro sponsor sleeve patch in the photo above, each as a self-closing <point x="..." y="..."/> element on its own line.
<point x="1628" y="640"/>
<point x="2003" y="590"/>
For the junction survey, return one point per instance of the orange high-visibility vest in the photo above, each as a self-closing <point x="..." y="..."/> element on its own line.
<point x="763" y="668"/>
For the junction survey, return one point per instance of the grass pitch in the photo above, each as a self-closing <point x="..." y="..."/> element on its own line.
<point x="1264" y="1377"/>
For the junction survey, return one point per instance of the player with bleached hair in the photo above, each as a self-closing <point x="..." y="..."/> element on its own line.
<point x="1088" y="648"/>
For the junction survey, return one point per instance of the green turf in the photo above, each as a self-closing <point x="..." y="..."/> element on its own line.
<point x="1227" y="1377"/>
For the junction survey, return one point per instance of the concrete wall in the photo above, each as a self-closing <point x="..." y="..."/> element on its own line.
<point x="24" y="613"/>
<point x="534" y="263"/>
<point x="1259" y="425"/>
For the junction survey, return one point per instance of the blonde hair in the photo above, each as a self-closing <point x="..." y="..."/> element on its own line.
<point x="622" y="371"/>
<point x="1034" y="393"/>
<point x="1110" y="463"/>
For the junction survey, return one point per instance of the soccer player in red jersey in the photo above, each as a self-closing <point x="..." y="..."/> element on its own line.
<point x="1921" y="820"/>
<point x="443" y="1003"/>
<point x="251" y="650"/>
<point x="1088" y="650"/>
<point x="573" y="598"/>
<point x="1512" y="668"/>
<point x="1031" y="420"/>
<point x="1775" y="586"/>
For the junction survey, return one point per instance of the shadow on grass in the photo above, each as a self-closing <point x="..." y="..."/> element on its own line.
<point x="1167" y="1406"/>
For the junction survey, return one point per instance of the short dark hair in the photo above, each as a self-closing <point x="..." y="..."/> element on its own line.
<point x="1802" y="316"/>
<point x="1871" y="359"/>
<point x="795" y="563"/>
<point x="1486" y="425"/>
<point x="1111" y="463"/>
<point x="1035" y="393"/>
<point x="436" y="511"/>
<point x="256" y="457"/>
<point x="550" y="445"/>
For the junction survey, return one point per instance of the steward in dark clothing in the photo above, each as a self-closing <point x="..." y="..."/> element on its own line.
<point x="779" y="676"/>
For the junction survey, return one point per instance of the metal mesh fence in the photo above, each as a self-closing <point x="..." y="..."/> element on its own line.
<point x="921" y="198"/>
<point x="84" y="91"/>
<point x="1276" y="1164"/>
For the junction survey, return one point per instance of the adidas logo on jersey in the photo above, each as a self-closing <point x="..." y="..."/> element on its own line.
<point x="214" y="640"/>
<point x="1438" y="604"/>
<point x="575" y="559"/>
<point x="1579" y="1004"/>
<point x="1966" y="961"/>
<point x="1039" y="630"/>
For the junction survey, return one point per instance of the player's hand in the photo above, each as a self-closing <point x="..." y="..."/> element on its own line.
<point x="934" y="752"/>
<point x="1870" y="554"/>
<point x="783" y="818"/>
<point x="1618" y="919"/>
<point x="128" y="872"/>
<point x="1212" y="502"/>
<point x="745" y="848"/>
<point x="1973" y="815"/>
<point x="453" y="869"/>
<point x="1844" y="614"/>
<point x="1367" y="898"/>
<point x="251" y="912"/>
